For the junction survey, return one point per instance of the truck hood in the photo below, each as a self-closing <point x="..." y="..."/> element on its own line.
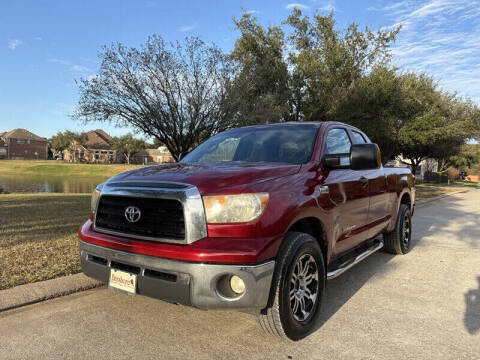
<point x="210" y="178"/>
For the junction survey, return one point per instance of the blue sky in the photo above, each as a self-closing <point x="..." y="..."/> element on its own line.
<point x="46" y="45"/>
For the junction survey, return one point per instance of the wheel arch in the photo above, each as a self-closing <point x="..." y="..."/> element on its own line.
<point x="406" y="199"/>
<point x="314" y="227"/>
<point x="403" y="198"/>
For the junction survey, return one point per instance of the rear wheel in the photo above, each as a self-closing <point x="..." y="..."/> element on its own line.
<point x="398" y="241"/>
<point x="297" y="288"/>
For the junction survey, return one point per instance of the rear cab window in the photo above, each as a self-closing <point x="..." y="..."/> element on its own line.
<point x="358" y="137"/>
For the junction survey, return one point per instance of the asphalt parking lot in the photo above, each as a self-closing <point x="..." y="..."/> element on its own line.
<point x="425" y="305"/>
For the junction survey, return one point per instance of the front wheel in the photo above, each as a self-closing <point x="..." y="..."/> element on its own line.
<point x="297" y="288"/>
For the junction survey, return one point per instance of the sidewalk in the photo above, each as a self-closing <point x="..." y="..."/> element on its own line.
<point x="43" y="290"/>
<point x="421" y="202"/>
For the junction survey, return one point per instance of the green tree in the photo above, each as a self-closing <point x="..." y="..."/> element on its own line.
<point x="127" y="145"/>
<point x="63" y="139"/>
<point x="157" y="143"/>
<point x="438" y="123"/>
<point x="259" y="91"/>
<point x="467" y="158"/>
<point x="407" y="114"/>
<point x="464" y="125"/>
<point x="327" y="62"/>
<point x="376" y="105"/>
<point x="172" y="92"/>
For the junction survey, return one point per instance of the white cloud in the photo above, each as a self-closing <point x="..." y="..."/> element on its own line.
<point x="59" y="61"/>
<point x="79" y="68"/>
<point x="296" y="6"/>
<point x="397" y="6"/>
<point x="14" y="43"/>
<point x="72" y="67"/>
<point x="252" y="12"/>
<point x="328" y="6"/>
<point x="441" y="38"/>
<point x="186" y="28"/>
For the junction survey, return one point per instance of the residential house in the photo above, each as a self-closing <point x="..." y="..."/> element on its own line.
<point x="427" y="165"/>
<point x="3" y="148"/>
<point x="149" y="156"/>
<point x="96" y="148"/>
<point x="21" y="144"/>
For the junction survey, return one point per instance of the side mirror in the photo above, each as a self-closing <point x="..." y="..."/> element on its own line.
<point x="365" y="157"/>
<point x="337" y="161"/>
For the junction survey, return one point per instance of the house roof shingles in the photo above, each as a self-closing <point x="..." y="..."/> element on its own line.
<point x="98" y="139"/>
<point x="21" y="134"/>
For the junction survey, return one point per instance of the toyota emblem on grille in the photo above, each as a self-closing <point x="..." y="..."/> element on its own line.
<point x="132" y="214"/>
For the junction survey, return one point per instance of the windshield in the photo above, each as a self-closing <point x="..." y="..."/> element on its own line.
<point x="275" y="144"/>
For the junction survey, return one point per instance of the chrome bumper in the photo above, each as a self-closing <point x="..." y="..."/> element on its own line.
<point x="199" y="285"/>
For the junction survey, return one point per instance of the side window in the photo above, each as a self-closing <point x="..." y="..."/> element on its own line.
<point x="358" y="138"/>
<point x="338" y="142"/>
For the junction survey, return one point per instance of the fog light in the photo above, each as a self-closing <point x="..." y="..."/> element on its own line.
<point x="237" y="284"/>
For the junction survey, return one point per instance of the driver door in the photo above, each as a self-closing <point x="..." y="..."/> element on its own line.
<point x="348" y="194"/>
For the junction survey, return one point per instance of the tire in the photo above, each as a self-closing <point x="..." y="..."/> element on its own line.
<point x="299" y="259"/>
<point x="398" y="241"/>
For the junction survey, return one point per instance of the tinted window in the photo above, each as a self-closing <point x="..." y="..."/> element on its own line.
<point x="358" y="138"/>
<point x="338" y="142"/>
<point x="224" y="151"/>
<point x="279" y="144"/>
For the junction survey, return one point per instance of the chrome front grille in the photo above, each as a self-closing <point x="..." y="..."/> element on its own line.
<point x="170" y="212"/>
<point x="160" y="218"/>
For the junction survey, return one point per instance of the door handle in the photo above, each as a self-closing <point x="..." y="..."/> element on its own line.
<point x="363" y="180"/>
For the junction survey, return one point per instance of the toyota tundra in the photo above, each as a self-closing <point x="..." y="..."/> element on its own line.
<point x="255" y="218"/>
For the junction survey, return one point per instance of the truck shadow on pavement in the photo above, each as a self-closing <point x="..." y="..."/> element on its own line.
<point x="472" y="312"/>
<point x="340" y="290"/>
<point x="431" y="219"/>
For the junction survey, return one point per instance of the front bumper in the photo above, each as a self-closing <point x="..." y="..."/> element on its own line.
<point x="195" y="284"/>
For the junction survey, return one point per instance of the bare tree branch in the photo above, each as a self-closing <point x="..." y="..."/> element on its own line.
<point x="172" y="92"/>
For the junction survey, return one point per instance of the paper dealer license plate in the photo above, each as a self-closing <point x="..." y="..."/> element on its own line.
<point x="122" y="280"/>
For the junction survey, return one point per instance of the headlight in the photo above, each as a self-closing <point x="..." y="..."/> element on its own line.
<point x="234" y="208"/>
<point x="95" y="197"/>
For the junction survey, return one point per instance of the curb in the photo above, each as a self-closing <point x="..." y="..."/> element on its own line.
<point x="43" y="290"/>
<point x="420" y="203"/>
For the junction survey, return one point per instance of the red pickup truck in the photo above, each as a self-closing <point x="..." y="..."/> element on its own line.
<point x="255" y="218"/>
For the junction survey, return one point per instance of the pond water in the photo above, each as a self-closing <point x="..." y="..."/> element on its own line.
<point x="51" y="184"/>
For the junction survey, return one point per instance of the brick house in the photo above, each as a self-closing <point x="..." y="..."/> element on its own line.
<point x="21" y="144"/>
<point x="96" y="149"/>
<point x="149" y="156"/>
<point x="3" y="148"/>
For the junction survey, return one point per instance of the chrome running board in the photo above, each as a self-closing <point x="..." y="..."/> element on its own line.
<point x="352" y="262"/>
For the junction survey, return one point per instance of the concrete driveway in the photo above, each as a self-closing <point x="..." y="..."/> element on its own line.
<point x="425" y="305"/>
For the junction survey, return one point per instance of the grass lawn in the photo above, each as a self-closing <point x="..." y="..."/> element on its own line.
<point x="38" y="236"/>
<point x="15" y="167"/>
<point x="427" y="190"/>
